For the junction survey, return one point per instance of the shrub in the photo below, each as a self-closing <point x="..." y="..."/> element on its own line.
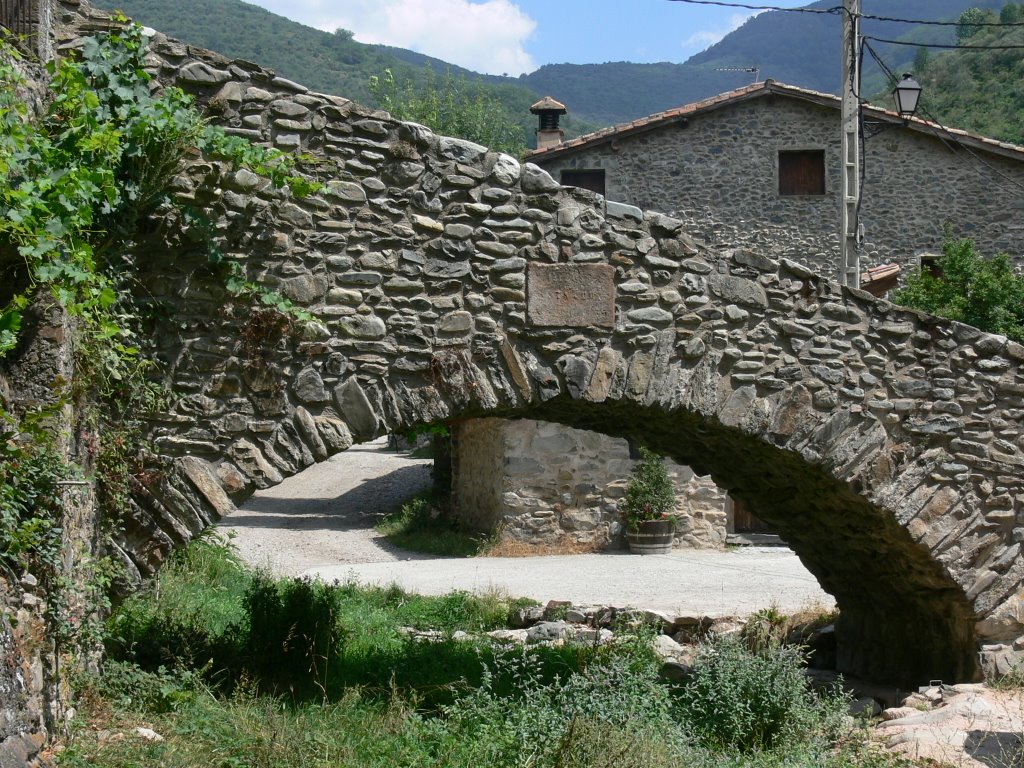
<point x="293" y="628"/>
<point x="751" y="701"/>
<point x="650" y="494"/>
<point x="616" y="702"/>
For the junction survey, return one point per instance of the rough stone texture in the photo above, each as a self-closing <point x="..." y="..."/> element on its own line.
<point x="33" y="695"/>
<point x="545" y="484"/>
<point x="884" y="445"/>
<point x="718" y="173"/>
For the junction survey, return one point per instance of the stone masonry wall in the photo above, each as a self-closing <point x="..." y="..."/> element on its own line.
<point x="719" y="174"/>
<point x="478" y="467"/>
<point x="561" y="486"/>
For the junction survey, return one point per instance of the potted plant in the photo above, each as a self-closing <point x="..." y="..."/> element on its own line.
<point x="647" y="506"/>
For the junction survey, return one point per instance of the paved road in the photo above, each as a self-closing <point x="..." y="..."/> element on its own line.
<point x="320" y="523"/>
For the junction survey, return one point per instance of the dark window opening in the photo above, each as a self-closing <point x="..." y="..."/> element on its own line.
<point x="592" y="180"/>
<point x="802" y="172"/>
<point x="745" y="521"/>
<point x="930" y="265"/>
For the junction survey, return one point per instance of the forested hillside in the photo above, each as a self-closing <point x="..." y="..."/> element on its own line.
<point x="803" y="48"/>
<point x="979" y="90"/>
<point x="795" y="48"/>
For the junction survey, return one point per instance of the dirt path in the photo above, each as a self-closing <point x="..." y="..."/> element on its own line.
<point x="325" y="515"/>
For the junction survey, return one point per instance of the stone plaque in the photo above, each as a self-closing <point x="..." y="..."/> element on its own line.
<point x="571" y="295"/>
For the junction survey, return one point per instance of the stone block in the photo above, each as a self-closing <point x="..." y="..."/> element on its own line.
<point x="571" y="295"/>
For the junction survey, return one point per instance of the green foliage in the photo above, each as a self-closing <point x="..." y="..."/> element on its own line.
<point x="617" y="696"/>
<point x="31" y="475"/>
<point x="307" y="637"/>
<point x="650" y="494"/>
<point x="985" y="293"/>
<point x="421" y="525"/>
<point x="979" y="90"/>
<point x="753" y="701"/>
<point x="452" y="106"/>
<point x="967" y="25"/>
<point x="1012" y="13"/>
<point x="194" y="612"/>
<point x="386" y="699"/>
<point x="294" y="623"/>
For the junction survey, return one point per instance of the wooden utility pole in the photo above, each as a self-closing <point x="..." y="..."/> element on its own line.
<point x="849" y="254"/>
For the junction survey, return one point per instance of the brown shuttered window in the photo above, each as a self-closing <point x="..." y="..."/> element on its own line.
<point x="592" y="180"/>
<point x="802" y="172"/>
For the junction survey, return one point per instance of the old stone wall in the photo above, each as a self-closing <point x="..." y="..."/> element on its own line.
<point x="477" y="474"/>
<point x="547" y="485"/>
<point x="34" y="695"/>
<point x="718" y="173"/>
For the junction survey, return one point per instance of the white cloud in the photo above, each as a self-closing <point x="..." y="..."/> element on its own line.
<point x="708" y="37"/>
<point x="486" y="36"/>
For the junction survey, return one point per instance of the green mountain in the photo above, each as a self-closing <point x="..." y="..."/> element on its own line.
<point x="795" y="48"/>
<point x="979" y="90"/>
<point x="803" y="48"/>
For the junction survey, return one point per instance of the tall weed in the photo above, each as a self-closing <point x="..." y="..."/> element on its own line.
<point x="750" y="701"/>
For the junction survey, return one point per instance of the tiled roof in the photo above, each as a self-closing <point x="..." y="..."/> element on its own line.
<point x="757" y="90"/>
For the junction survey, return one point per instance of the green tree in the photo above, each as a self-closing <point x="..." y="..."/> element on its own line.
<point x="1012" y="13"/>
<point x="985" y="293"/>
<point x="921" y="60"/>
<point x="967" y="24"/>
<point x="452" y="106"/>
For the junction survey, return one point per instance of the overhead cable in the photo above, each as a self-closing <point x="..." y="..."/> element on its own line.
<point x="949" y="47"/>
<point x="745" y="6"/>
<point x="837" y="10"/>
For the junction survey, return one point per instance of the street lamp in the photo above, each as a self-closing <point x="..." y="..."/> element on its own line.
<point x="906" y="94"/>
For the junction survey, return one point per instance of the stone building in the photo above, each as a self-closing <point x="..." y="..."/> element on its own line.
<point x="754" y="168"/>
<point x="759" y="168"/>
<point x="541" y="484"/>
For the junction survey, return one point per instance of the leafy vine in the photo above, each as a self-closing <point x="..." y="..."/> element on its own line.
<point x="76" y="182"/>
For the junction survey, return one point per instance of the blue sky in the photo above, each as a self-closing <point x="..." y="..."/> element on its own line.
<point x="517" y="36"/>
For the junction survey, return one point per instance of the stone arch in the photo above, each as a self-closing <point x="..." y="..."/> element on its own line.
<point x="450" y="282"/>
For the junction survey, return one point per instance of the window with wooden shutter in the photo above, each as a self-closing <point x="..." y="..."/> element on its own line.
<point x="590" y="179"/>
<point x="802" y="172"/>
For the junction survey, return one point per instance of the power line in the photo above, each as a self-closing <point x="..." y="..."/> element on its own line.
<point x="945" y="23"/>
<point x="838" y="10"/>
<point x="950" y="47"/>
<point x="948" y="136"/>
<point x="760" y="7"/>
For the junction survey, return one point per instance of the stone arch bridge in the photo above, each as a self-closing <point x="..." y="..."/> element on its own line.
<point x="448" y="282"/>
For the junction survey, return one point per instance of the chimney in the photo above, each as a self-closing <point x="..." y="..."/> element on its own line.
<point x="548" y="132"/>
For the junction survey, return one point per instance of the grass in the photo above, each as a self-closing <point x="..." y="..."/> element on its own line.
<point x="234" y="668"/>
<point x="421" y="525"/>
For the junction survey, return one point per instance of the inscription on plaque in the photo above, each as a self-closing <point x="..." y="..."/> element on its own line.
<point x="571" y="295"/>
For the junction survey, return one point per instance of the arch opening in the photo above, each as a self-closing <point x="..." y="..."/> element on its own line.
<point x="903" y="620"/>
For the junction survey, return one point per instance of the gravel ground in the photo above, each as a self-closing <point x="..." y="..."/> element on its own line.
<point x="325" y="515"/>
<point x="320" y="523"/>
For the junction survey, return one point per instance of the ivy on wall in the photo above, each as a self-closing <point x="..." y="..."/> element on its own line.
<point x="75" y="184"/>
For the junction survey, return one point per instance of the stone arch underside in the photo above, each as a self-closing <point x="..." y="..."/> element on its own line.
<point x="447" y="282"/>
